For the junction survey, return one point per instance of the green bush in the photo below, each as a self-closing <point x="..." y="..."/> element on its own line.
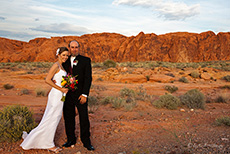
<point x="118" y="103"/>
<point x="226" y="78"/>
<point x="167" y="101"/>
<point x="193" y="99"/>
<point x="97" y="65"/>
<point x="171" y="89"/>
<point x="42" y="64"/>
<point x="183" y="79"/>
<point x="223" y="121"/>
<point x="127" y="103"/>
<point x="126" y="92"/>
<point x="25" y="91"/>
<point x="13" y="121"/>
<point x="8" y="86"/>
<point x="109" y="63"/>
<point x="195" y="74"/>
<point x="107" y="100"/>
<point x="141" y="93"/>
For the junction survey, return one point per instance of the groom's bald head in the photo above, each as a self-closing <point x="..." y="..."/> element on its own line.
<point x="72" y="42"/>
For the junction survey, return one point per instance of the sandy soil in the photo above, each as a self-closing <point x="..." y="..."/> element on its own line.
<point x="145" y="129"/>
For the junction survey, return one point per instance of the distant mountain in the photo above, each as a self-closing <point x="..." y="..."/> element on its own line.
<point x="171" y="47"/>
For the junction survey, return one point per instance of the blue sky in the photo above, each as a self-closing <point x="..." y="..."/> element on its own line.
<point x="28" y="19"/>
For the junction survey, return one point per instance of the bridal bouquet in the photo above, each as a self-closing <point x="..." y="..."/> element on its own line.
<point x="69" y="82"/>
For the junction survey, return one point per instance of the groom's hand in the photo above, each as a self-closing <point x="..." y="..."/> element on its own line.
<point x="82" y="99"/>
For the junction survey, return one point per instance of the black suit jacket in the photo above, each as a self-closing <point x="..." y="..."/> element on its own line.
<point x="84" y="71"/>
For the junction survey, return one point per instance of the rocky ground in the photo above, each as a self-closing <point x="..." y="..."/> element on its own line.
<point x="145" y="129"/>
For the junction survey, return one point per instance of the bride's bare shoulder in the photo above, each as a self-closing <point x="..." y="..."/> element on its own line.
<point x="54" y="67"/>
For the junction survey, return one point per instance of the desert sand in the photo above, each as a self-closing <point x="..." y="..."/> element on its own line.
<point x="145" y="129"/>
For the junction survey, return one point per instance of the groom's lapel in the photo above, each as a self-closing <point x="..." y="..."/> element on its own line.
<point x="69" y="66"/>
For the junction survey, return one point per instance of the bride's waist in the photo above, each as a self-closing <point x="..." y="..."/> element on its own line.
<point x="55" y="91"/>
<point x="58" y="84"/>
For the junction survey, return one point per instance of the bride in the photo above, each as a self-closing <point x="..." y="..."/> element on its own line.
<point x="42" y="137"/>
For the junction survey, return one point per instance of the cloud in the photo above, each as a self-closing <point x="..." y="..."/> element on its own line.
<point x="62" y="28"/>
<point x="168" y="9"/>
<point x="146" y="3"/>
<point x="2" y="18"/>
<point x="177" y="11"/>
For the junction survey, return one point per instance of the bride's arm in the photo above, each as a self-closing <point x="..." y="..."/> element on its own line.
<point x="49" y="77"/>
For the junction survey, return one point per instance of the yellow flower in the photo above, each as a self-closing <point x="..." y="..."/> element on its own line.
<point x="63" y="83"/>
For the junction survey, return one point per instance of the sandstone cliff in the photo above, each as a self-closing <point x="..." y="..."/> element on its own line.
<point x="172" y="47"/>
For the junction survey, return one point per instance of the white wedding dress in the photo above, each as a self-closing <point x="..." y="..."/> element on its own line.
<point x="42" y="137"/>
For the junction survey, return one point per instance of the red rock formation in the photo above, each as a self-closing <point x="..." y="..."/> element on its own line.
<point x="172" y="47"/>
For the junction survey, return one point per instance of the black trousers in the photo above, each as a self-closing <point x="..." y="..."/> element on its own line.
<point x="69" y="118"/>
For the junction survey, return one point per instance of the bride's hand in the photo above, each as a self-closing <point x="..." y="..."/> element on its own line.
<point x="64" y="90"/>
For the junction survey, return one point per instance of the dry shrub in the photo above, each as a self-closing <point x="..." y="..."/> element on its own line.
<point x="223" y="98"/>
<point x="8" y="86"/>
<point x="193" y="99"/>
<point x="126" y="92"/>
<point x="129" y="97"/>
<point x="226" y="78"/>
<point x="25" y="91"/>
<point x="107" y="100"/>
<point x="130" y="103"/>
<point x="141" y="93"/>
<point x="92" y="104"/>
<point x="40" y="92"/>
<point x="223" y="121"/>
<point x="118" y="103"/>
<point x="167" y="101"/>
<point x="183" y="79"/>
<point x="195" y="74"/>
<point x="109" y="63"/>
<point x="225" y="87"/>
<point x="171" y="89"/>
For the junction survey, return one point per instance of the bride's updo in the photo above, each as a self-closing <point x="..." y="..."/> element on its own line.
<point x="60" y="50"/>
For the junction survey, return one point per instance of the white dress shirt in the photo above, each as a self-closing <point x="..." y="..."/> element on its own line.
<point x="71" y="60"/>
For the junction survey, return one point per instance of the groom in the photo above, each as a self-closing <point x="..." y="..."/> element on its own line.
<point x="80" y="66"/>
